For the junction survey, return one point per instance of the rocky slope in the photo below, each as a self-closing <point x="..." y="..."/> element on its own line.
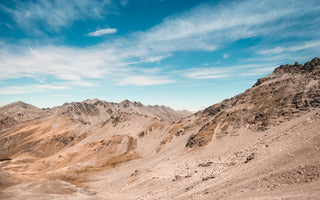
<point x="261" y="144"/>
<point x="286" y="93"/>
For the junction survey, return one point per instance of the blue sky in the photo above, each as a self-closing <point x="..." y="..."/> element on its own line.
<point x="184" y="54"/>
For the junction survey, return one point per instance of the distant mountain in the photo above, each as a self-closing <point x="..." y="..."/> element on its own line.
<point x="97" y="111"/>
<point x="89" y="111"/>
<point x="18" y="112"/>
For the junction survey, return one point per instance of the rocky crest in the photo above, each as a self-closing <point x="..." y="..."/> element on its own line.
<point x="311" y="67"/>
<point x="280" y="96"/>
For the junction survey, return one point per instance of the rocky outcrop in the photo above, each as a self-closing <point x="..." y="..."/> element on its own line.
<point x="280" y="96"/>
<point x="311" y="67"/>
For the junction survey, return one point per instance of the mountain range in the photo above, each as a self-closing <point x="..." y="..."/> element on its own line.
<point x="261" y="144"/>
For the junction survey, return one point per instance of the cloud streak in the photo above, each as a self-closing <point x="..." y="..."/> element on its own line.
<point x="33" y="88"/>
<point x="35" y="17"/>
<point x="292" y="48"/>
<point x="227" y="71"/>
<point x="102" y="32"/>
<point x="139" y="80"/>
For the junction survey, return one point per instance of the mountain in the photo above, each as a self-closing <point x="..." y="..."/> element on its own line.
<point x="93" y="111"/>
<point x="286" y="93"/>
<point x="18" y="112"/>
<point x="261" y="144"/>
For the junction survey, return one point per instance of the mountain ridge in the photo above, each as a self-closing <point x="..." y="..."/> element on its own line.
<point x="83" y="111"/>
<point x="271" y="100"/>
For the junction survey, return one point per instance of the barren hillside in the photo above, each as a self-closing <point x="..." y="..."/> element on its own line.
<point x="261" y="144"/>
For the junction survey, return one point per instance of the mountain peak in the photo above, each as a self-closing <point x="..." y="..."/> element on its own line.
<point x="17" y="112"/>
<point x="311" y="68"/>
<point x="20" y="104"/>
<point x="308" y="67"/>
<point x="126" y="103"/>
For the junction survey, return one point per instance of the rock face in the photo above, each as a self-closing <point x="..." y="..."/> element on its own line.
<point x="261" y="144"/>
<point x="280" y="96"/>
<point x="311" y="67"/>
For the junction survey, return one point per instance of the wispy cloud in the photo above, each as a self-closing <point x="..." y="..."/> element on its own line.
<point x="61" y="62"/>
<point x="50" y="15"/>
<point x="33" y="88"/>
<point x="208" y="27"/>
<point x="291" y="48"/>
<point x="79" y="67"/>
<point x="227" y="71"/>
<point x="207" y="73"/>
<point x="102" y="32"/>
<point x="144" y="80"/>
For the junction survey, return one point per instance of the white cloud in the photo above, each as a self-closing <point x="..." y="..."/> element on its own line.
<point x="50" y="15"/>
<point x="80" y="67"/>
<point x="206" y="73"/>
<point x="275" y="50"/>
<point x="33" y="88"/>
<point x="144" y="80"/>
<point x="208" y="27"/>
<point x="61" y="62"/>
<point x="102" y="32"/>
<point x="292" y="48"/>
<point x="227" y="71"/>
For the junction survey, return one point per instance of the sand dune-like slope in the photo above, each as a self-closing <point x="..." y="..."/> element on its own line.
<point x="261" y="144"/>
